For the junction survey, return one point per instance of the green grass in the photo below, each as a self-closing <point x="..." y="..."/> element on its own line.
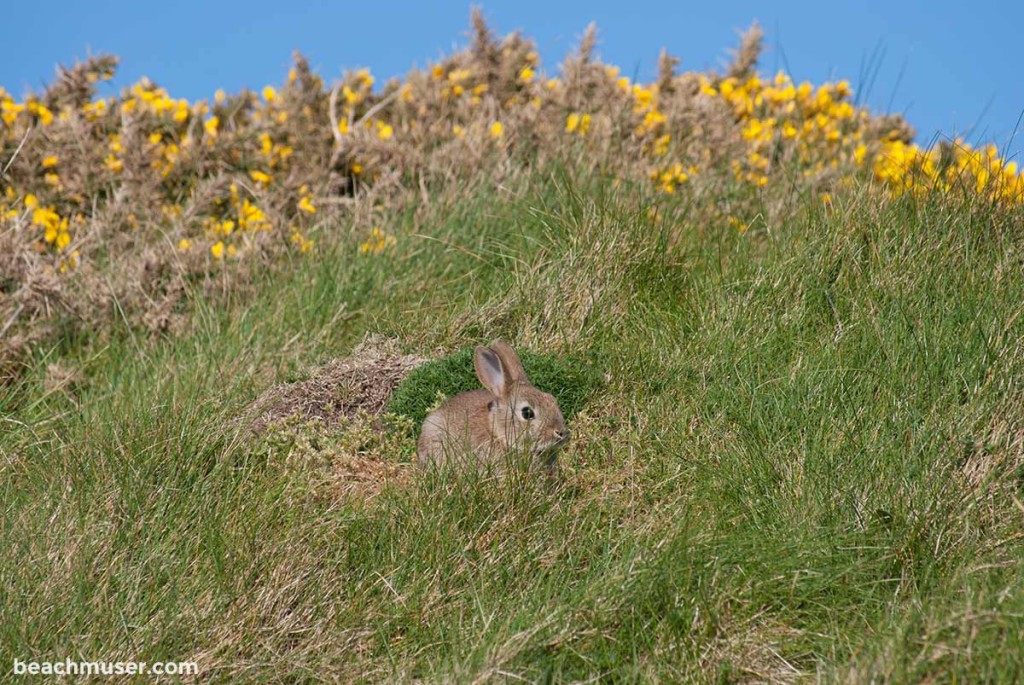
<point x="797" y="455"/>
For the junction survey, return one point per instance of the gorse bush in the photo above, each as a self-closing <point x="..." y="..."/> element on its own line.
<point x="570" y="379"/>
<point x="111" y="206"/>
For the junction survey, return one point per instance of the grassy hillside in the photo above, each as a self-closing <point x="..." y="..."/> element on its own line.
<point x="799" y="455"/>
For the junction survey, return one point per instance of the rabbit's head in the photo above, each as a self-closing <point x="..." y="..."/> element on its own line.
<point x="520" y="415"/>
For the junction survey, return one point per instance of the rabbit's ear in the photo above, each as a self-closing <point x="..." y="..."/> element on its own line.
<point x="514" y="371"/>
<point x="490" y="371"/>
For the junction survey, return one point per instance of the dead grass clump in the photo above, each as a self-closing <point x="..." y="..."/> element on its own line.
<point x="752" y="653"/>
<point x="340" y="390"/>
<point x="331" y="429"/>
<point x="995" y="466"/>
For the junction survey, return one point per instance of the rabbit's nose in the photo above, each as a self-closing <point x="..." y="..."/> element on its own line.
<point x="562" y="434"/>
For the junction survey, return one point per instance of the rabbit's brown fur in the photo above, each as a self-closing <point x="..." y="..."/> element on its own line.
<point x="510" y="414"/>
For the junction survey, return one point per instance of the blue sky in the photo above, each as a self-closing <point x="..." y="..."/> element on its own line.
<point x="951" y="67"/>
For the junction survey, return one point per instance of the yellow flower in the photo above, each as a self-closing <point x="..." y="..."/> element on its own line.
<point x="171" y="212"/>
<point x="661" y="145"/>
<point x="252" y="218"/>
<point x="40" y="110"/>
<point x="306" y="204"/>
<point x="181" y="112"/>
<point x="94" y="110"/>
<point x="378" y="242"/>
<point x="217" y="249"/>
<point x="579" y="123"/>
<point x="756" y="130"/>
<point x="9" y="111"/>
<point x="497" y="130"/>
<point x="211" y="126"/>
<point x="49" y="162"/>
<point x="259" y="177"/>
<point x="184" y="245"/>
<point x="304" y="244"/>
<point x="526" y="74"/>
<point x="643" y="96"/>
<point x="384" y="131"/>
<point x="71" y="263"/>
<point x="653" y="120"/>
<point x="859" y="153"/>
<point x="269" y="93"/>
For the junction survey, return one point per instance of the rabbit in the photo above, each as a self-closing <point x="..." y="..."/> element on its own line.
<point x="487" y="425"/>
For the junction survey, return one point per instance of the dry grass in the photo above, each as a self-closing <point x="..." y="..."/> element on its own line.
<point x="360" y="384"/>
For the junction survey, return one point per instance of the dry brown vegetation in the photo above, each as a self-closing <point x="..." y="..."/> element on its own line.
<point x="114" y="208"/>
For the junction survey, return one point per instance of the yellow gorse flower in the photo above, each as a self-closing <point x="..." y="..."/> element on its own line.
<point x="577" y="123"/>
<point x="378" y="242"/>
<point x="260" y="178"/>
<point x="303" y="243"/>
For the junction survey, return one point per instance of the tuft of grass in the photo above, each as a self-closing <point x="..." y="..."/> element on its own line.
<point x="572" y="379"/>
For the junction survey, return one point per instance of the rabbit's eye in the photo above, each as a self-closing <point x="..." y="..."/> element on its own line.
<point x="527" y="413"/>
